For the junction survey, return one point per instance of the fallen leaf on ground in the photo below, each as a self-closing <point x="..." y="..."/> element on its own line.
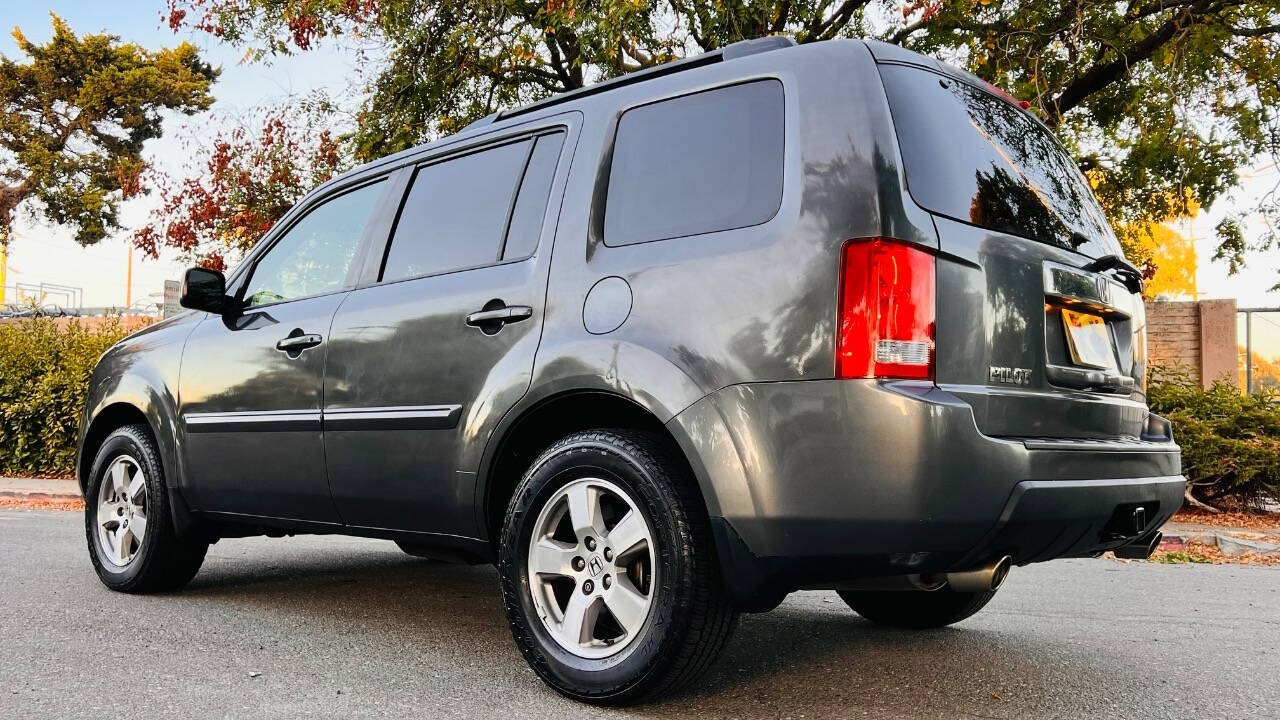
<point x="24" y="503"/>
<point x="1246" y="520"/>
<point x="1201" y="553"/>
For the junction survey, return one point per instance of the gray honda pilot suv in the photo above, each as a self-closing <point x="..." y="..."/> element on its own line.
<point x="665" y="349"/>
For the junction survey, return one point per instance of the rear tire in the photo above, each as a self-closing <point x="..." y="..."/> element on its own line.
<point x="128" y="523"/>
<point x="916" y="609"/>
<point x="604" y="624"/>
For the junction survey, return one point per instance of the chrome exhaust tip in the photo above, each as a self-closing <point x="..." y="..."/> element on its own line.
<point x="1140" y="549"/>
<point x="981" y="579"/>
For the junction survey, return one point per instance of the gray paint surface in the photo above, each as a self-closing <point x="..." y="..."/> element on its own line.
<point x="729" y="341"/>
<point x="342" y="627"/>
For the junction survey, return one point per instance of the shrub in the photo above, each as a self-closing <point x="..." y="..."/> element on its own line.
<point x="44" y="374"/>
<point x="1230" y="440"/>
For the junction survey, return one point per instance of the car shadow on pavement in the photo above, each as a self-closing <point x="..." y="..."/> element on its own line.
<point x="811" y="653"/>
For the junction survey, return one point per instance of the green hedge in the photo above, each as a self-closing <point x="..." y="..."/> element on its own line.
<point x="1230" y="440"/>
<point x="44" y="373"/>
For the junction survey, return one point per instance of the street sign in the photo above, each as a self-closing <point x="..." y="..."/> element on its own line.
<point x="172" y="288"/>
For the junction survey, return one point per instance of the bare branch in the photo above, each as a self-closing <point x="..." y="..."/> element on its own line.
<point x="825" y="29"/>
<point x="1256" y="32"/>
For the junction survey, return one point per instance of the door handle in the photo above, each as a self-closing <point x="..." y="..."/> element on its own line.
<point x="499" y="316"/>
<point x="296" y="343"/>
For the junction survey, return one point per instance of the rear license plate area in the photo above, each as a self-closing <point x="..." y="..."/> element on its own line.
<point x="1089" y="340"/>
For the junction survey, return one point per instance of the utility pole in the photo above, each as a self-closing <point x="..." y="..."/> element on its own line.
<point x="128" y="281"/>
<point x="4" y="265"/>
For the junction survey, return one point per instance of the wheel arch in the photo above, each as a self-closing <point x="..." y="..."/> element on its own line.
<point x="110" y="418"/>
<point x="144" y="408"/>
<point x="522" y="437"/>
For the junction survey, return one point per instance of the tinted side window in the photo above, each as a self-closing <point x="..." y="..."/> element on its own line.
<point x="314" y="256"/>
<point x="455" y="213"/>
<point x="696" y="164"/>
<point x="531" y="203"/>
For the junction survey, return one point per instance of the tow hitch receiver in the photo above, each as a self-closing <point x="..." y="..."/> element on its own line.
<point x="1129" y="521"/>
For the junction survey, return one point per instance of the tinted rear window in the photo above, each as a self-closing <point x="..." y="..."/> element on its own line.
<point x="455" y="213"/>
<point x="977" y="158"/>
<point x="696" y="164"/>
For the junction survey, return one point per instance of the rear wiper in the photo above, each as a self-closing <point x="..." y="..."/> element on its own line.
<point x="1130" y="275"/>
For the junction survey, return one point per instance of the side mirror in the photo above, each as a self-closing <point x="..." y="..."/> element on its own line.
<point x="204" y="289"/>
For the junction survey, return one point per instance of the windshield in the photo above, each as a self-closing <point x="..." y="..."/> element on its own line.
<point x="977" y="158"/>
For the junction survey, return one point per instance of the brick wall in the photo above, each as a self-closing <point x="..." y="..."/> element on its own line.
<point x="1173" y="335"/>
<point x="1199" y="336"/>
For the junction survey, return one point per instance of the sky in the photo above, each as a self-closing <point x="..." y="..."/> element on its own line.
<point x="46" y="253"/>
<point x="43" y="253"/>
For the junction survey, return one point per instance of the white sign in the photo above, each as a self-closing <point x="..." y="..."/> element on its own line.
<point x="172" y="289"/>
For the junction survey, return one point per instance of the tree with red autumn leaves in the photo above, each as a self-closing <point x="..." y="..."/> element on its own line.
<point x="1162" y="102"/>
<point x="239" y="186"/>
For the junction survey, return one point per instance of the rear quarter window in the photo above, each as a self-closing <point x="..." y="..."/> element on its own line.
<point x="696" y="164"/>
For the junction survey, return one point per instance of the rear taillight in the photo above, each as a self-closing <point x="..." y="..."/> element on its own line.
<point x="886" y="310"/>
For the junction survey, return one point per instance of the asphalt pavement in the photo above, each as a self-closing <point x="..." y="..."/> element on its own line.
<point x="349" y="628"/>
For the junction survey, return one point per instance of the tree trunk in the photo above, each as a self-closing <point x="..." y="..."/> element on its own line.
<point x="1190" y="500"/>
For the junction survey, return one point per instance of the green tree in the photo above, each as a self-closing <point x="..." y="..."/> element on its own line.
<point x="448" y="62"/>
<point x="73" y="119"/>
<point x="1162" y="101"/>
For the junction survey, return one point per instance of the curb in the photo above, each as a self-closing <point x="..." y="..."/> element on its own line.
<point x="1226" y="543"/>
<point x="37" y="489"/>
<point x="40" y="496"/>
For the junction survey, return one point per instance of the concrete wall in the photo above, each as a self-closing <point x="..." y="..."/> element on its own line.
<point x="1198" y="336"/>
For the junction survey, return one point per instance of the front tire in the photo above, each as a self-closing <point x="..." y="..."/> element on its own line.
<point x="916" y="609"/>
<point x="606" y="624"/>
<point x="128" y="523"/>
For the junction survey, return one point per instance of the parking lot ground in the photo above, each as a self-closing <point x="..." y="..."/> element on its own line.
<point x="348" y="628"/>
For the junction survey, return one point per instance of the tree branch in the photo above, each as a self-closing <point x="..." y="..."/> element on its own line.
<point x="1256" y="32"/>
<point x="780" y="22"/>
<point x="1137" y="12"/>
<point x="1102" y="74"/>
<point x="909" y="30"/>
<point x="643" y="59"/>
<point x="557" y="61"/>
<point x="819" y="27"/>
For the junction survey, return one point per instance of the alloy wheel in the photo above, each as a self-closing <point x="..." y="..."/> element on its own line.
<point x="591" y="568"/>
<point x="122" y="511"/>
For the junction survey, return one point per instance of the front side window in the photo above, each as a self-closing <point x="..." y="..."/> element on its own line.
<point x="314" y="256"/>
<point x="696" y="164"/>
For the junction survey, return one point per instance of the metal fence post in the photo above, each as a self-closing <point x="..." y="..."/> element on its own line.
<point x="1248" y="351"/>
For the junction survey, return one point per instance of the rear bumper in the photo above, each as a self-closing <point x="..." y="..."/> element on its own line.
<point x="815" y="482"/>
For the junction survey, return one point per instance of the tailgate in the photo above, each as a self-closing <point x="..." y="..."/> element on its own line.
<point x="1003" y="346"/>
<point x="1035" y="326"/>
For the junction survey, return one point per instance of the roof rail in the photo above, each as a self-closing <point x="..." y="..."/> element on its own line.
<point x="489" y="119"/>
<point x="742" y="48"/>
